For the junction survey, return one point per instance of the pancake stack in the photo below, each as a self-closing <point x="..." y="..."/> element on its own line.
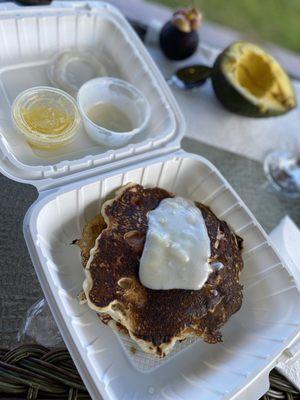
<point x="111" y="247"/>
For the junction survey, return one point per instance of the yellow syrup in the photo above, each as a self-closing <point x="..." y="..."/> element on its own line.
<point x="44" y="119"/>
<point x="47" y="117"/>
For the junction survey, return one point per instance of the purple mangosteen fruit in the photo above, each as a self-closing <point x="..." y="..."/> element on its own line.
<point x="179" y="37"/>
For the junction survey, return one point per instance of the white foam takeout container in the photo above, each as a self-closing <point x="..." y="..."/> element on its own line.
<point x="73" y="184"/>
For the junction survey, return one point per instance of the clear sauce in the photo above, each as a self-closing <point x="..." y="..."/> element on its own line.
<point x="45" y="119"/>
<point x="177" y="247"/>
<point x="110" y="117"/>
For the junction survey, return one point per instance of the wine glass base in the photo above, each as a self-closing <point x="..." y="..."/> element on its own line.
<point x="283" y="172"/>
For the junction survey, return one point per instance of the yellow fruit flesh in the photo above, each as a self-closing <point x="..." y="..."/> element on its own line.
<point x="259" y="77"/>
<point x="255" y="74"/>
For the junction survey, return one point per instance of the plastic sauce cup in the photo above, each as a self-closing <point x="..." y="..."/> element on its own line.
<point x="47" y="117"/>
<point x="126" y="97"/>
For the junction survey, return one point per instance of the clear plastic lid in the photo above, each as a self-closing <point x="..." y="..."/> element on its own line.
<point x="71" y="68"/>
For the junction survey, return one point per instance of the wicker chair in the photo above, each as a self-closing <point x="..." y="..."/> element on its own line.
<point x="34" y="372"/>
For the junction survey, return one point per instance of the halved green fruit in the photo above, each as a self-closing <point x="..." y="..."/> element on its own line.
<point x="250" y="82"/>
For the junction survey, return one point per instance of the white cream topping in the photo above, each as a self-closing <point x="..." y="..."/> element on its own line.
<point x="177" y="247"/>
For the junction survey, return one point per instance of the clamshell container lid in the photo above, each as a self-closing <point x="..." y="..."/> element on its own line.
<point x="29" y="39"/>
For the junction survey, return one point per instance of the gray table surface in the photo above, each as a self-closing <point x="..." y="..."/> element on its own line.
<point x="18" y="282"/>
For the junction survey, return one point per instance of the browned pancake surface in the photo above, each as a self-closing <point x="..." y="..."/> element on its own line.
<point x="89" y="234"/>
<point x="157" y="316"/>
